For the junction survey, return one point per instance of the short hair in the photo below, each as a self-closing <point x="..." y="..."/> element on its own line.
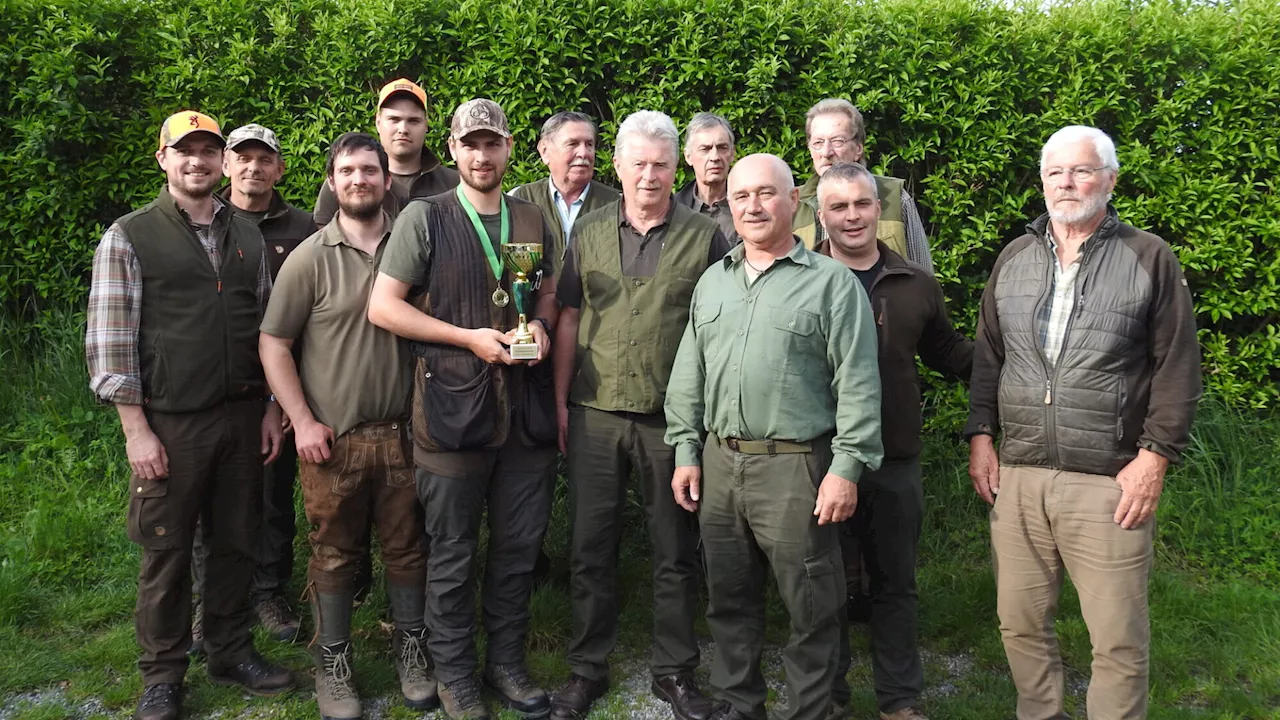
<point x="706" y="121"/>
<point x="348" y="143"/>
<point x="846" y="172"/>
<point x="560" y="119"/>
<point x="649" y="124"/>
<point x="838" y="106"/>
<point x="1102" y="144"/>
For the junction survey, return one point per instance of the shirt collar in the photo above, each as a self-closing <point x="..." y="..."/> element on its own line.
<point x="556" y="197"/>
<point x="798" y="254"/>
<point x="332" y="234"/>
<point x="666" y="220"/>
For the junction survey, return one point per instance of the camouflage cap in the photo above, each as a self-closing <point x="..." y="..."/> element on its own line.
<point x="479" y="114"/>
<point x="255" y="133"/>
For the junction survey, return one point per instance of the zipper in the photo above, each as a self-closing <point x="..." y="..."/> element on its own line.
<point x="1049" y="428"/>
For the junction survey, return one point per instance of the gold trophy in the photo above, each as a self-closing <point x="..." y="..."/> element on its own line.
<point x="523" y="259"/>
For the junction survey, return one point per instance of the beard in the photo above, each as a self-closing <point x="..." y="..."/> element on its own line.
<point x="1087" y="207"/>
<point x="196" y="188"/>
<point x="361" y="209"/>
<point x="493" y="182"/>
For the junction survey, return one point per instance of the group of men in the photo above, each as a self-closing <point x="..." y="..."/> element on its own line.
<point x="745" y="348"/>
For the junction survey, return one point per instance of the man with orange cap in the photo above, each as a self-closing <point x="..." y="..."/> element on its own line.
<point x="178" y="291"/>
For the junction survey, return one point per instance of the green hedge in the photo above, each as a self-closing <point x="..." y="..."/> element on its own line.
<point x="959" y="95"/>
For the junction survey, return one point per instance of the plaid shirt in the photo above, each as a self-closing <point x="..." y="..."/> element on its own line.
<point x="115" y="307"/>
<point x="1056" y="313"/>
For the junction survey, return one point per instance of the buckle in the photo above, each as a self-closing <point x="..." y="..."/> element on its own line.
<point x="732" y="443"/>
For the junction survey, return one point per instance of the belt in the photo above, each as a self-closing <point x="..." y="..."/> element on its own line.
<point x="766" y="447"/>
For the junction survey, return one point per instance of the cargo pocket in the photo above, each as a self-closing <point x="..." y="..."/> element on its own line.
<point x="152" y="523"/>
<point x="539" y="409"/>
<point x="460" y="416"/>
<point x="825" y="586"/>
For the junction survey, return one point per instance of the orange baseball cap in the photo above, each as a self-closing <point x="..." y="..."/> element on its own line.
<point x="182" y="124"/>
<point x="402" y="85"/>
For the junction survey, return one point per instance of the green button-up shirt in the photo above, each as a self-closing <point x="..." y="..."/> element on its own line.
<point x="791" y="356"/>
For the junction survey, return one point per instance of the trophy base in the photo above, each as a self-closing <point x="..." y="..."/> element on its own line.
<point x="524" y="351"/>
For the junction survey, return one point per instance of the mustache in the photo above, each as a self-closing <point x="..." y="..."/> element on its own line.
<point x="581" y="162"/>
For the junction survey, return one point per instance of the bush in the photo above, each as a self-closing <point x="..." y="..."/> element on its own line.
<point x="958" y="95"/>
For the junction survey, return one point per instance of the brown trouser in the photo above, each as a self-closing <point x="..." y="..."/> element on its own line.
<point x="368" y="476"/>
<point x="1047" y="520"/>
<point x="215" y="476"/>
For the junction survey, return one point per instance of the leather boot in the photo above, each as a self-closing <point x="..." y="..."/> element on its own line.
<point x="409" y="642"/>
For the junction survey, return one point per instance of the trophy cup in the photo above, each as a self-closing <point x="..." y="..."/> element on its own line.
<point x="523" y="259"/>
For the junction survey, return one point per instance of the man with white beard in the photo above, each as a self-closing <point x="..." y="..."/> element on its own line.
<point x="1087" y="364"/>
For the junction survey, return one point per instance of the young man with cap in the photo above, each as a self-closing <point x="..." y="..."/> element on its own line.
<point x="347" y="392"/>
<point x="254" y="163"/>
<point x="483" y="423"/>
<point x="415" y="170"/>
<point x="177" y="293"/>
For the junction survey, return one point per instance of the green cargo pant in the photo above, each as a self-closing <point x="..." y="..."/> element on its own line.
<point x="756" y="512"/>
<point x="603" y="449"/>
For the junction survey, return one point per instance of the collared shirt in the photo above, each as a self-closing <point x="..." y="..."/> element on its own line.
<point x="1056" y="312"/>
<point x="718" y="210"/>
<point x="568" y="212"/>
<point x="791" y="356"/>
<point x="352" y="371"/>
<point x="115" y="306"/>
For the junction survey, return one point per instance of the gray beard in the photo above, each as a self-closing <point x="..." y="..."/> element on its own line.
<point x="1088" y="208"/>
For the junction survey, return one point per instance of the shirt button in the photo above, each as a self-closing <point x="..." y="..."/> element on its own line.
<point x="139" y="488"/>
<point x="791" y="324"/>
<point x="740" y="332"/>
<point x="633" y="342"/>
<point x="735" y="367"/>
<point x="635" y="312"/>
<point x="395" y="426"/>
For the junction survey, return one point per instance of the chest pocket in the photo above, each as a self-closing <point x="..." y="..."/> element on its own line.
<point x="794" y="344"/>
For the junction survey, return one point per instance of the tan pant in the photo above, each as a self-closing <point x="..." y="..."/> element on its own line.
<point x="1046" y="520"/>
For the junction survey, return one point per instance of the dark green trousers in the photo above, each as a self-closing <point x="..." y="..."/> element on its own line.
<point x="756" y="513"/>
<point x="887" y="526"/>
<point x="604" y="448"/>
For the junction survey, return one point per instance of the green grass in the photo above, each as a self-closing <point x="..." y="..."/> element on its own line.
<point x="67" y="571"/>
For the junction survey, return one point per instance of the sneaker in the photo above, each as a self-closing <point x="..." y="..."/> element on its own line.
<point x="335" y="686"/>
<point x="162" y="701"/>
<point x="278" y="618"/>
<point x="197" y="630"/>
<point x="514" y="687"/>
<point x="417" y="681"/>
<point x="460" y="700"/>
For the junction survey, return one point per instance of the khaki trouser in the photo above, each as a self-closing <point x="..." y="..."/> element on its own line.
<point x="1044" y="521"/>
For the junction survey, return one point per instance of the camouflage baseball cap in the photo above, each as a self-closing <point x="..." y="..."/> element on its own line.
<point x="479" y="114"/>
<point x="253" y="132"/>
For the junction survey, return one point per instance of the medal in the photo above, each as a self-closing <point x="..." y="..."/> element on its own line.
<point x="500" y="298"/>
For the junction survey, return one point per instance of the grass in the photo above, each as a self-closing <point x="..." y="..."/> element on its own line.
<point x="67" y="573"/>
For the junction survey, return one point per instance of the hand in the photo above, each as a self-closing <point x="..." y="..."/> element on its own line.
<point x="542" y="339"/>
<point x="272" y="422"/>
<point x="489" y="345"/>
<point x="147" y="457"/>
<point x="1141" y="482"/>
<point x="313" y="440"/>
<point x="686" y="484"/>
<point x="286" y="423"/>
<point x="984" y="467"/>
<point x="837" y="499"/>
<point x="562" y="422"/>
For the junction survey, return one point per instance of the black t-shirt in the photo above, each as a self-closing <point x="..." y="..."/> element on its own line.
<point x="868" y="276"/>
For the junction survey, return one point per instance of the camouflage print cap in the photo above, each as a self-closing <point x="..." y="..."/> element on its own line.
<point x="253" y="133"/>
<point x="479" y="114"/>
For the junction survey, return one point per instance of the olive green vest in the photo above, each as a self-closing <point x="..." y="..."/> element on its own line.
<point x="198" y="327"/>
<point x="630" y="327"/>
<point x="539" y="193"/>
<point x="891" y="230"/>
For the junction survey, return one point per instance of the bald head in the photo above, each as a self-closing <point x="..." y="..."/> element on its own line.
<point x="763" y="199"/>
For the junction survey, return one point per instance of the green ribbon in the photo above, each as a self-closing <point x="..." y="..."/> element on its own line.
<point x="485" y="241"/>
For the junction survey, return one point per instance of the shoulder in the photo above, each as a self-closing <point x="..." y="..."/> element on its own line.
<point x="682" y="216"/>
<point x="605" y="193"/>
<point x="129" y="218"/>
<point x="525" y="191"/>
<point x="608" y="213"/>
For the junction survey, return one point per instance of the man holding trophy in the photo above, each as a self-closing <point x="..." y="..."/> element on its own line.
<point x="461" y="270"/>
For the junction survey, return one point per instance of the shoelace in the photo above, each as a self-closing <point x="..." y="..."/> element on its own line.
<point x="412" y="657"/>
<point x="519" y="678"/>
<point x="156" y="695"/>
<point x="465" y="692"/>
<point x="337" y="673"/>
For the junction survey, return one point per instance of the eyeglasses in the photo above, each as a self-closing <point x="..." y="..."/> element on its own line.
<point x="836" y="143"/>
<point x="1078" y="174"/>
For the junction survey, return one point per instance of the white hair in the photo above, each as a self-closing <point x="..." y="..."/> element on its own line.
<point x="650" y="125"/>
<point x="706" y="121"/>
<point x="1071" y="134"/>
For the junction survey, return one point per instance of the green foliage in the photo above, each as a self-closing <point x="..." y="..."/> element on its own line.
<point x="958" y="96"/>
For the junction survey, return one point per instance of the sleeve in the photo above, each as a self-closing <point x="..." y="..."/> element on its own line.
<point x="326" y="205"/>
<point x="113" y="319"/>
<point x="294" y="295"/>
<point x="685" y="404"/>
<point x="1176" y="383"/>
<point x="988" y="357"/>
<point x="408" y="254"/>
<point x="942" y="347"/>
<point x="853" y="353"/>
<point x="569" y="284"/>
<point x="720" y="246"/>
<point x="917" y="242"/>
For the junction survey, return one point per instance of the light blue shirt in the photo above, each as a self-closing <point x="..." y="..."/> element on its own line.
<point x="568" y="213"/>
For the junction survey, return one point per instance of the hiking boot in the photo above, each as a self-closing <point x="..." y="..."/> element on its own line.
<point x="335" y="686"/>
<point x="162" y="701"/>
<point x="682" y="694"/>
<point x="197" y="630"/>
<point x="727" y="712"/>
<point x="255" y="676"/>
<point x="417" y="682"/>
<point x="278" y="618"/>
<point x="460" y="700"/>
<point x="906" y="713"/>
<point x="574" y="700"/>
<point x="516" y="690"/>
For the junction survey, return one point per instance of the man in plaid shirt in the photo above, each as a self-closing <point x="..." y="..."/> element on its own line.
<point x="177" y="294"/>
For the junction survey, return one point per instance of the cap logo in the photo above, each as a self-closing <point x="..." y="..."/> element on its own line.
<point x="480" y="112"/>
<point x="195" y="120"/>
